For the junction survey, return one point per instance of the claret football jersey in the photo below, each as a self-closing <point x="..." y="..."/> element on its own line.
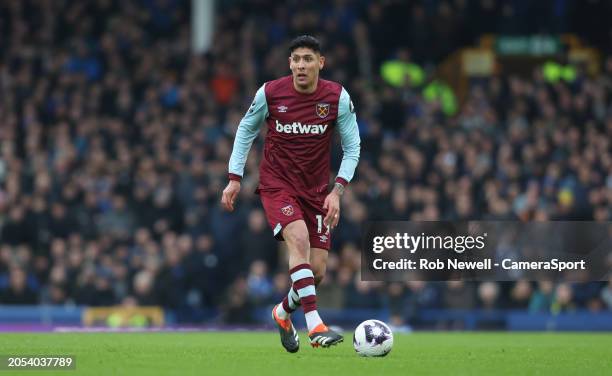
<point x="296" y="155"/>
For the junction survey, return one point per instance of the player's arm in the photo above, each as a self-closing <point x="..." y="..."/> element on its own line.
<point x="349" y="136"/>
<point x="246" y="133"/>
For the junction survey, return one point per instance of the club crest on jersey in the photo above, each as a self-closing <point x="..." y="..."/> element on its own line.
<point x="287" y="210"/>
<point x="322" y="110"/>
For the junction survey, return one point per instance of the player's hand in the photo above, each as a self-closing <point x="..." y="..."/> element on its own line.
<point x="229" y="195"/>
<point x="332" y="204"/>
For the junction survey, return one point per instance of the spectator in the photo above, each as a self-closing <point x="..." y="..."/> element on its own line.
<point x="203" y="271"/>
<point x="15" y="231"/>
<point x="520" y="295"/>
<point x="237" y="310"/>
<point x="143" y="291"/>
<point x="459" y="295"/>
<point x="562" y="301"/>
<point x="257" y="243"/>
<point x="118" y="221"/>
<point x="18" y="291"/>
<point x="259" y="285"/>
<point x="488" y="294"/>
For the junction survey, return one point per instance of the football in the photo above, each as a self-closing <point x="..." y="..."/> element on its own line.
<point x="372" y="338"/>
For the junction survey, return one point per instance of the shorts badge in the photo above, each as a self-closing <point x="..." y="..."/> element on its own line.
<point x="287" y="210"/>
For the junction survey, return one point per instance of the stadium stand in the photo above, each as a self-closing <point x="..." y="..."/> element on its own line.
<point x="114" y="142"/>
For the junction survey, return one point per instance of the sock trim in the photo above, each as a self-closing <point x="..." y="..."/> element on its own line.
<point x="307" y="291"/>
<point x="286" y="306"/>
<point x="300" y="267"/>
<point x="301" y="274"/>
<point x="300" y="284"/>
<point x="309" y="303"/>
<point x="293" y="299"/>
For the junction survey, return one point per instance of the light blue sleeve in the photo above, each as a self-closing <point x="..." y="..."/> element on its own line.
<point x="349" y="136"/>
<point x="247" y="131"/>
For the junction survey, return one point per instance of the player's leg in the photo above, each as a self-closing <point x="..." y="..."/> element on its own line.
<point x="296" y="236"/>
<point x="318" y="263"/>
<point x="300" y="271"/>
<point x="282" y="210"/>
<point x="291" y="302"/>
<point x="319" y="239"/>
<point x="318" y="234"/>
<point x="292" y="227"/>
<point x="298" y="244"/>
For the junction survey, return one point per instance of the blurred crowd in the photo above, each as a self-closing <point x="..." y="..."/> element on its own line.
<point x="115" y="139"/>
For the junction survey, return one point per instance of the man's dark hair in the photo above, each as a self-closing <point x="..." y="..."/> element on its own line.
<point x="307" y="41"/>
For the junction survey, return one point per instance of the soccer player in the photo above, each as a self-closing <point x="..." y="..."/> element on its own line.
<point x="301" y="112"/>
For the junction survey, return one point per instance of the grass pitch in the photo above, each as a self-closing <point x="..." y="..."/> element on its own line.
<point x="224" y="353"/>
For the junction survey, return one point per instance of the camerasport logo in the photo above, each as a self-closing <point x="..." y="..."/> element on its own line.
<point x="287" y="210"/>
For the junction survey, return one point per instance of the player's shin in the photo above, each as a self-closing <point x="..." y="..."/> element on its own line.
<point x="303" y="281"/>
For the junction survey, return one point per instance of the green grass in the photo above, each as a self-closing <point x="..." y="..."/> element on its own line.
<point x="260" y="354"/>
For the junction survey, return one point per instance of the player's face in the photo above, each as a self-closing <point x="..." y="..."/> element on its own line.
<point x="305" y="65"/>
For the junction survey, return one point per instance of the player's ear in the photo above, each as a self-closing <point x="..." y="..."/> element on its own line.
<point x="321" y="62"/>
